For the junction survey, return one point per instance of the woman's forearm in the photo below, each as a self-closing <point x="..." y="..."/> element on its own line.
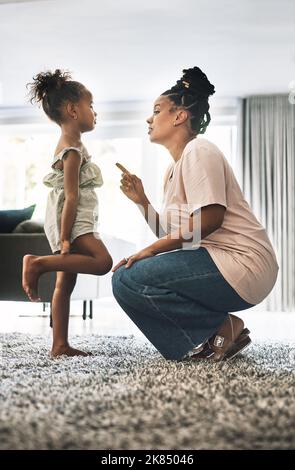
<point x="152" y="217"/>
<point x="68" y="217"/>
<point x="166" y="244"/>
<point x="197" y="230"/>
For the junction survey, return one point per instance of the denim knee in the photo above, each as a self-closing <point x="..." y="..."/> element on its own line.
<point x="116" y="281"/>
<point x="124" y="285"/>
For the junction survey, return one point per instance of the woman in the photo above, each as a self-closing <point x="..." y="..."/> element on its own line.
<point x="212" y="257"/>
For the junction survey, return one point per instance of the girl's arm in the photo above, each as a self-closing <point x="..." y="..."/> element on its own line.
<point x="132" y="187"/>
<point x="71" y="165"/>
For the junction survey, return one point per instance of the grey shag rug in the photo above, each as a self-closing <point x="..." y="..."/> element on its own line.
<point x="128" y="397"/>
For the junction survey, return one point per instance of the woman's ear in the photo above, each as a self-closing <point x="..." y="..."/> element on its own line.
<point x="181" y="116"/>
<point x="71" y="110"/>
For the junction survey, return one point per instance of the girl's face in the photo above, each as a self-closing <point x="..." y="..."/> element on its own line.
<point x="86" y="116"/>
<point x="161" y="123"/>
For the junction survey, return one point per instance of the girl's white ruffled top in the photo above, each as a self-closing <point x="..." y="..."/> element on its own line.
<point x="87" y="211"/>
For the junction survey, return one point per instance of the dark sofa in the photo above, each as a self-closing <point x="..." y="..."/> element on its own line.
<point x="13" y="246"/>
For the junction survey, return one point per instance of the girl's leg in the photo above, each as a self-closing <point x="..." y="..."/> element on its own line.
<point x="92" y="257"/>
<point x="65" y="283"/>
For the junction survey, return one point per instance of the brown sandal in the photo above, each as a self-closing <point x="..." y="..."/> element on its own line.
<point x="230" y="339"/>
<point x="240" y="344"/>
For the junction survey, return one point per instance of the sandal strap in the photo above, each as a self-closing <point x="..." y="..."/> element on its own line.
<point x="208" y="353"/>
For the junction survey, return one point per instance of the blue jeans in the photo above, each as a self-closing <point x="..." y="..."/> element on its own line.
<point x="178" y="299"/>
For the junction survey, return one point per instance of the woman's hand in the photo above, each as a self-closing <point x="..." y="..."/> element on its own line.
<point x="145" y="253"/>
<point x="131" y="186"/>
<point x="65" y="247"/>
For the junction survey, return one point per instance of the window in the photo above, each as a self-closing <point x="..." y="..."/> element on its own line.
<point x="117" y="214"/>
<point x="25" y="158"/>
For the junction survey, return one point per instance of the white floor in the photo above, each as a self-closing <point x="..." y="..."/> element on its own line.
<point x="109" y="319"/>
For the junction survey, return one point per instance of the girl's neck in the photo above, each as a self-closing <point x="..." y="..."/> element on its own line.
<point x="71" y="135"/>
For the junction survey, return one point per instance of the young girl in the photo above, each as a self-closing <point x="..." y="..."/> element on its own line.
<point x="72" y="206"/>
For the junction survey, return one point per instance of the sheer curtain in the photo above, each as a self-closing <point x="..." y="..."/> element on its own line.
<point x="266" y="167"/>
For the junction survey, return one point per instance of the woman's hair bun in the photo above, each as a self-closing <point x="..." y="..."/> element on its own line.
<point x="195" y="82"/>
<point x="45" y="82"/>
<point x="192" y="92"/>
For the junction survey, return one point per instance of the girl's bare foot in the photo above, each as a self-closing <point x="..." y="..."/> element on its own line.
<point x="30" y="278"/>
<point x="67" y="350"/>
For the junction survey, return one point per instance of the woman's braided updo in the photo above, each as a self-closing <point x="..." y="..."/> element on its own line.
<point x="192" y="92"/>
<point x="53" y="89"/>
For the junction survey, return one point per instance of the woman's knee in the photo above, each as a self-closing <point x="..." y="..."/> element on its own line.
<point x="144" y="272"/>
<point x="116" y="280"/>
<point x="141" y="274"/>
<point x="125" y="283"/>
<point x="121" y="281"/>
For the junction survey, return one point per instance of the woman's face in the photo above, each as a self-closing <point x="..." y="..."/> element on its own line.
<point x="161" y="123"/>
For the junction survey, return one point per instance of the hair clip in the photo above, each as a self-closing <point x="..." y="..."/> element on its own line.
<point x="186" y="84"/>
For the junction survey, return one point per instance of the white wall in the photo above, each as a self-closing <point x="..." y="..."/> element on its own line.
<point x="134" y="50"/>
